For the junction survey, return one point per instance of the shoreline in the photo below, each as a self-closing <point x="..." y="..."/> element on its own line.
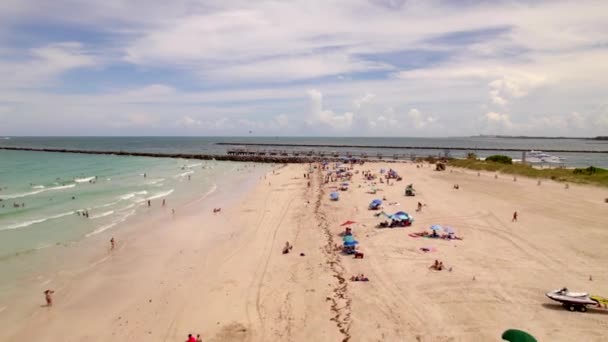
<point x="75" y="259"/>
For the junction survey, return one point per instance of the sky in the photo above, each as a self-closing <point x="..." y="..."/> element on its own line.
<point x="413" y="68"/>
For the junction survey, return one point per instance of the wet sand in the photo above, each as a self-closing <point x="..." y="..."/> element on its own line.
<point x="224" y="275"/>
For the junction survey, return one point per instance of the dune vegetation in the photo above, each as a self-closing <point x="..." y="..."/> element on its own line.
<point x="590" y="175"/>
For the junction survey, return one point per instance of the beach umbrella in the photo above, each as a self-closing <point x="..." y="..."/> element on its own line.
<point x="448" y="230"/>
<point x="345" y="184"/>
<point x="401" y="215"/>
<point x="347" y="223"/>
<point x="334" y="195"/>
<point x="351" y="244"/>
<point x="514" y="335"/>
<point x="436" y="227"/>
<point x="375" y="204"/>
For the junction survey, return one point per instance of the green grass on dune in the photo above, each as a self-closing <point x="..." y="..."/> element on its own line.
<point x="595" y="176"/>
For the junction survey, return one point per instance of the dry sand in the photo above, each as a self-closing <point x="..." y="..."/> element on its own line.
<point x="224" y="275"/>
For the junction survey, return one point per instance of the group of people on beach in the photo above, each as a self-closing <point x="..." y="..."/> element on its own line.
<point x="83" y="213"/>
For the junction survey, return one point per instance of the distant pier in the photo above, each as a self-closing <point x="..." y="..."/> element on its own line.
<point x="240" y="155"/>
<point x="450" y="148"/>
<point x="304" y="154"/>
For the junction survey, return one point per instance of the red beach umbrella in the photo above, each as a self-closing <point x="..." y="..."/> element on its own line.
<point x="347" y="223"/>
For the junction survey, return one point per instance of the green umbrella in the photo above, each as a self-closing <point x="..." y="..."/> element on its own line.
<point x="514" y="335"/>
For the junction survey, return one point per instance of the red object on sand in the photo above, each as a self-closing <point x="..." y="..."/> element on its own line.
<point x="348" y="223"/>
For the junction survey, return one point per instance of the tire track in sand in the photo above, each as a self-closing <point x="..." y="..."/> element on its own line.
<point x="340" y="301"/>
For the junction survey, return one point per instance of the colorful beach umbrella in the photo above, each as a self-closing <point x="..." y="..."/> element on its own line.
<point x="347" y="223"/>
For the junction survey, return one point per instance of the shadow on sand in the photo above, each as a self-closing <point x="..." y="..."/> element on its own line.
<point x="592" y="310"/>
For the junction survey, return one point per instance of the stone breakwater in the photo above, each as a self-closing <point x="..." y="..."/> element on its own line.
<point x="200" y="156"/>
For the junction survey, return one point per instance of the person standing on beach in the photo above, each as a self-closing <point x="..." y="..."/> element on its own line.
<point x="514" y="219"/>
<point x="199" y="338"/>
<point x="112" y="243"/>
<point x="164" y="202"/>
<point x="149" y="203"/>
<point x="48" y="296"/>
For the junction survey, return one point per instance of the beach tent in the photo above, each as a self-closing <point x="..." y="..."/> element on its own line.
<point x="514" y="335"/>
<point x="375" y="204"/>
<point x="334" y="196"/>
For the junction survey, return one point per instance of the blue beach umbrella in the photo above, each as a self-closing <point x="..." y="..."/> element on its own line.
<point x="436" y="227"/>
<point x="375" y="203"/>
<point x="402" y="215"/>
<point x="334" y="195"/>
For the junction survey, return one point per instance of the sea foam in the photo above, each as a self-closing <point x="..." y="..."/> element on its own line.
<point x="36" y="221"/>
<point x="25" y="194"/>
<point x="110" y="225"/>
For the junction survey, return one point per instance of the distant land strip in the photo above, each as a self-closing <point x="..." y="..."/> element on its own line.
<point x="202" y="156"/>
<point x="407" y="147"/>
<point x="533" y="137"/>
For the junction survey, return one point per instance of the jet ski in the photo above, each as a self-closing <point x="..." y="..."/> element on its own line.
<point x="572" y="301"/>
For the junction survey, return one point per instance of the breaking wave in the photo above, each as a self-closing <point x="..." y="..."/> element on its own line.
<point x="36" y="221"/>
<point x="25" y="194"/>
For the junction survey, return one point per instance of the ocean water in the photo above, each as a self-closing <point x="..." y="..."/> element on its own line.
<point x="209" y="145"/>
<point x="43" y="198"/>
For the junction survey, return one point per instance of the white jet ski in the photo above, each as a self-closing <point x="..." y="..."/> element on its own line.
<point x="571" y="300"/>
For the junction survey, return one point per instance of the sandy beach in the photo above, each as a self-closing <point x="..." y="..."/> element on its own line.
<point x="224" y="276"/>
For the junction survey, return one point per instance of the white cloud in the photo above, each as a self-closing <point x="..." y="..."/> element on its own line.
<point x="318" y="115"/>
<point x="363" y="100"/>
<point x="290" y="68"/>
<point x="282" y="121"/>
<point x="220" y="63"/>
<point x="187" y="121"/>
<point x="498" y="121"/>
<point x="44" y="63"/>
<point x="420" y="120"/>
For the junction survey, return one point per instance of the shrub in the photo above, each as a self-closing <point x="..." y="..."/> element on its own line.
<point x="500" y="159"/>
<point x="471" y="156"/>
<point x="591" y="170"/>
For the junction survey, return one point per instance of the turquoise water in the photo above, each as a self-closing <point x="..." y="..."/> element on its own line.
<point x="44" y="197"/>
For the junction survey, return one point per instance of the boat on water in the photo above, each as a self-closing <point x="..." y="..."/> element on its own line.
<point x="539" y="157"/>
